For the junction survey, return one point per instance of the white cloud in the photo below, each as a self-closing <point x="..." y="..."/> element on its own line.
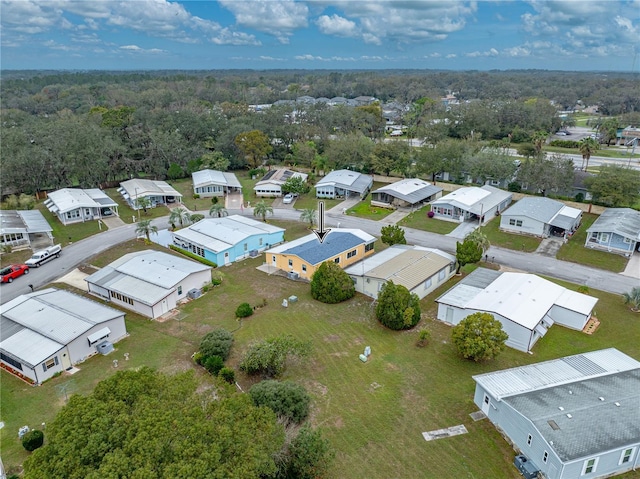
<point x="489" y="53"/>
<point x="337" y="25"/>
<point x="279" y="18"/>
<point x="137" y="49"/>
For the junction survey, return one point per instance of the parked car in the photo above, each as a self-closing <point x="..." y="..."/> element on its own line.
<point x="287" y="199"/>
<point x="11" y="272"/>
<point x="41" y="257"/>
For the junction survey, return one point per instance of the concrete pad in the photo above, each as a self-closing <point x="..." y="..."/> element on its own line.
<point x="394" y="217"/>
<point x="549" y="247"/>
<point x="342" y="207"/>
<point x="633" y="266"/>
<point x="75" y="278"/>
<point x="442" y="433"/>
<point x="463" y="229"/>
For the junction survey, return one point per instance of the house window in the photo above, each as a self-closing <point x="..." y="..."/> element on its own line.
<point x="50" y="363"/>
<point x="545" y="456"/>
<point x="626" y="240"/>
<point x="589" y="466"/>
<point x="512" y="222"/>
<point x="72" y="214"/>
<point x="273" y="258"/>
<point x="121" y="297"/>
<point x="368" y="247"/>
<point x="351" y="254"/>
<point x="441" y="275"/>
<point x="304" y="267"/>
<point x="604" y="237"/>
<point x="626" y="456"/>
<point x="197" y="250"/>
<point x="427" y="284"/>
<point x="179" y="290"/>
<point x="246" y="246"/>
<point x="529" y="439"/>
<point x="260" y="242"/>
<point x="290" y="263"/>
<point x="337" y="260"/>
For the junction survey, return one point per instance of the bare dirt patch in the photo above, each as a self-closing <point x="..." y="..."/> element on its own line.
<point x="332" y="338"/>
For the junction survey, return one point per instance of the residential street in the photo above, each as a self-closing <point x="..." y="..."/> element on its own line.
<point x="77" y="253"/>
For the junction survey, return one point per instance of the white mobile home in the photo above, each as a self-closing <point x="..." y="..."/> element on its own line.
<point x="541" y="217"/>
<point x="271" y="184"/>
<point x="24" y="229"/>
<point x="72" y="205"/>
<point x="471" y="203"/>
<point x="207" y="183"/>
<point x="405" y="193"/>
<point x="344" y="184"/>
<point x="156" y="192"/>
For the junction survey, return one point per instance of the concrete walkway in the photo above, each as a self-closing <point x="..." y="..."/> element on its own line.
<point x="549" y="246"/>
<point x="342" y="207"/>
<point x="633" y="266"/>
<point x="396" y="216"/>
<point x="463" y="230"/>
<point x="113" y="222"/>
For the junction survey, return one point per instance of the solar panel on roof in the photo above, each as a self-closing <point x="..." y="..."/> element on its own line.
<point x="268" y="175"/>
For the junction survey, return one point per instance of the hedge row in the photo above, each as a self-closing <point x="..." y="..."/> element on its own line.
<point x="193" y="256"/>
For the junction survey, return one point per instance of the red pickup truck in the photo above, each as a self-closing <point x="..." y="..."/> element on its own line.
<point x="11" y="272"/>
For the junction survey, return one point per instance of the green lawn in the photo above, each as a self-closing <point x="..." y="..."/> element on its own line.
<point x="419" y="220"/>
<point x="309" y="200"/>
<point x="603" y="151"/>
<point x="65" y="235"/>
<point x="373" y="413"/>
<point x="575" y="251"/>
<point x="508" y="240"/>
<point x="127" y="213"/>
<point x="365" y="210"/>
<point x="185" y="187"/>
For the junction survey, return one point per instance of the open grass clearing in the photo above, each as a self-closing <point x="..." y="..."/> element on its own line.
<point x="373" y="413"/>
<point x="309" y="201"/>
<point x="603" y="151"/>
<point x="71" y="233"/>
<point x="509" y="240"/>
<point x="364" y="209"/>
<point x="576" y="251"/>
<point x="420" y="221"/>
<point x="127" y="214"/>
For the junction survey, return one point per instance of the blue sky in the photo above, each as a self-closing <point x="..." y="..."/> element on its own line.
<point x="320" y="34"/>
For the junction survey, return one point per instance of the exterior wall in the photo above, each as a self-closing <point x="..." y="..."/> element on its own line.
<point x="268" y="190"/>
<point x="165" y="304"/>
<point x="327" y="191"/>
<point x="529" y="225"/>
<point x="610" y="242"/>
<point x="136" y="307"/>
<point x="372" y="286"/>
<point x="80" y="349"/>
<point x="79" y="215"/>
<point x="281" y="261"/>
<point x="445" y="211"/>
<point x="98" y="290"/>
<point x="519" y="336"/>
<point x="568" y="318"/>
<point x="208" y="191"/>
<point x="609" y="463"/>
<point x="194" y="280"/>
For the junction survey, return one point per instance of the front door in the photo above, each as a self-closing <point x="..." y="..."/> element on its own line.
<point x="66" y="362"/>
<point x="486" y="402"/>
<point x="164" y="307"/>
<point x="226" y="258"/>
<point x="273" y="260"/>
<point x="449" y="318"/>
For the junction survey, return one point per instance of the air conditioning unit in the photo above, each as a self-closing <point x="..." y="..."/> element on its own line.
<point x="104" y="348"/>
<point x="526" y="468"/>
<point x="253" y="253"/>
<point x="194" y="293"/>
<point x="293" y="275"/>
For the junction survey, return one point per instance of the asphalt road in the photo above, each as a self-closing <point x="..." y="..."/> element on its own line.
<point x="80" y="252"/>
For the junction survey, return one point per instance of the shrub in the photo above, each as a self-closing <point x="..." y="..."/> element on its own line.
<point x="198" y="358"/>
<point x="397" y="308"/>
<point x="33" y="440"/>
<point x="286" y="399"/>
<point x="217" y="343"/>
<point x="193" y="256"/>
<point x="423" y="338"/>
<point x="430" y="214"/>
<point x="228" y="374"/>
<point x="213" y="364"/>
<point x="310" y="455"/>
<point x="269" y="357"/>
<point x="514" y="187"/>
<point x="244" y="310"/>
<point x="392" y="234"/>
<point x="479" y="337"/>
<point x="331" y="284"/>
<point x="214" y="200"/>
<point x="196" y="196"/>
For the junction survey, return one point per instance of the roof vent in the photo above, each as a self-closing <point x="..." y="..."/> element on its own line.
<point x="569" y="416"/>
<point x="601" y="398"/>
<point x="617" y="404"/>
<point x="561" y="408"/>
<point x="570" y="391"/>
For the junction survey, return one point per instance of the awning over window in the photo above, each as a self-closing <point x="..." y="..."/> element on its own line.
<point x="98" y="335"/>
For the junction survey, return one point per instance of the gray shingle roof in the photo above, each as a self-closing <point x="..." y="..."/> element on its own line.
<point x="411" y="190"/>
<point x="622" y="221"/>
<point x="540" y="209"/>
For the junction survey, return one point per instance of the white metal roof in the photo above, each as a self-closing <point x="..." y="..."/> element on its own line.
<point x="219" y="234"/>
<point x="555" y="372"/>
<point x="139" y="187"/>
<point x="215" y="177"/>
<point x="23" y="221"/>
<point x="30" y="347"/>
<point x="347" y="179"/>
<point x="412" y="190"/>
<point x="68" y="199"/>
<point x="474" y="199"/>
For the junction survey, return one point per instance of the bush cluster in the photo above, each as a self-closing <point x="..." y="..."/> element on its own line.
<point x="397" y="308"/>
<point x="193" y="256"/>
<point x="287" y="399"/>
<point x="217" y="343"/>
<point x="33" y="440"/>
<point x="330" y="284"/>
<point x="244" y="310"/>
<point x="565" y="143"/>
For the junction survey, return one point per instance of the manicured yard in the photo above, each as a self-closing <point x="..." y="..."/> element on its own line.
<point x="309" y="201"/>
<point x="419" y="220"/>
<point x="575" y="251"/>
<point x="508" y="240"/>
<point x="373" y="413"/>
<point x="365" y="210"/>
<point x="127" y="213"/>
<point x="185" y="187"/>
<point x="65" y="235"/>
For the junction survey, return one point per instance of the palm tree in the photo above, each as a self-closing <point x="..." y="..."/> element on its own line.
<point x="633" y="298"/>
<point x="218" y="210"/>
<point x="587" y="147"/>
<point x="145" y="227"/>
<point x="144" y="203"/>
<point x="480" y="239"/>
<point x="309" y="214"/>
<point x="262" y="209"/>
<point x="179" y="215"/>
<point x="539" y="138"/>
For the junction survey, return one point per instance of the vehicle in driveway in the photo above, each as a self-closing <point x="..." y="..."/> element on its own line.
<point x="11" y="272"/>
<point x="288" y="199"/>
<point x="41" y="257"/>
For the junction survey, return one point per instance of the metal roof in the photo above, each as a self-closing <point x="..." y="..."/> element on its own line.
<point x="139" y="187"/>
<point x="474" y="199"/>
<point x="35" y="221"/>
<point x="348" y="180"/>
<point x="537" y="208"/>
<point x="411" y="190"/>
<point x="622" y="221"/>
<point x="23" y="221"/>
<point x="29" y="347"/>
<point x="279" y="176"/>
<point x="219" y="234"/>
<point x="68" y="199"/>
<point x="313" y="252"/>
<point x="215" y="177"/>
<point x="404" y="265"/>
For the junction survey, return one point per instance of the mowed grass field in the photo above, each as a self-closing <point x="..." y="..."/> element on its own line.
<point x="373" y="413"/>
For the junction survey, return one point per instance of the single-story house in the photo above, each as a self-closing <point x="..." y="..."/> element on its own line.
<point x="24" y="229"/>
<point x="157" y="192"/>
<point x="302" y="256"/>
<point x="542" y="217"/>
<point x="271" y="184"/>
<point x="344" y="184"/>
<point x="471" y="203"/>
<point x="570" y="417"/>
<point x="419" y="269"/>
<point x="617" y="230"/>
<point x="48" y="331"/>
<point x="525" y="304"/>
<point x="208" y="183"/>
<point x="148" y="282"/>
<point x="228" y="239"/>
<point x="73" y="205"/>
<point x="405" y="193"/>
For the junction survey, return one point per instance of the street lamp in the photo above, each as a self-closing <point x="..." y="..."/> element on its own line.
<point x="137" y="205"/>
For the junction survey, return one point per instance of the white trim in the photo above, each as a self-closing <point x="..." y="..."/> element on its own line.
<point x="586" y="464"/>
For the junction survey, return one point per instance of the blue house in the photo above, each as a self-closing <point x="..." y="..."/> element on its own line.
<point x="617" y="230"/>
<point x="568" y="418"/>
<point x="228" y="239"/>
